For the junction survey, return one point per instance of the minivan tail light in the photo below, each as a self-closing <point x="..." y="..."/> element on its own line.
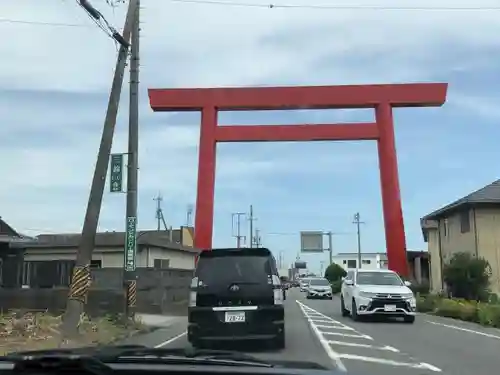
<point x="192" y="292"/>
<point x="277" y="290"/>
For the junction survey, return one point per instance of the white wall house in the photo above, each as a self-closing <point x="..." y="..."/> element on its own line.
<point x="55" y="254"/>
<point x="368" y="260"/>
<point x="160" y="249"/>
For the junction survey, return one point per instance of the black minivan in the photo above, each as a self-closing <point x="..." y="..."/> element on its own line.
<point x="236" y="295"/>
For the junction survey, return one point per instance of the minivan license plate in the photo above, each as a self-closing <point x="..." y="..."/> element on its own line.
<point x="235" y="317"/>
<point x="390" y="308"/>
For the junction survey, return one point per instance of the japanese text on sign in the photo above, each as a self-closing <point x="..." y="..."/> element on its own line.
<point x="116" y="173"/>
<point x="130" y="244"/>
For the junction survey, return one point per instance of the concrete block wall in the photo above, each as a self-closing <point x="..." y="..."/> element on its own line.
<point x="158" y="292"/>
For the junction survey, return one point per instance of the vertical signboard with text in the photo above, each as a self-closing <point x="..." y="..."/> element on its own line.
<point x="116" y="174"/>
<point x="130" y="244"/>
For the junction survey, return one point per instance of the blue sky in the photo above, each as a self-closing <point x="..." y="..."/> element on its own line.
<point x="54" y="82"/>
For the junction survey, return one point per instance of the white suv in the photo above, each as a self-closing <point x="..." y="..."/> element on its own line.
<point x="377" y="292"/>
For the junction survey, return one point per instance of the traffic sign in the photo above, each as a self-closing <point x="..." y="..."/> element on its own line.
<point x="130" y="244"/>
<point x="311" y="242"/>
<point x="116" y="173"/>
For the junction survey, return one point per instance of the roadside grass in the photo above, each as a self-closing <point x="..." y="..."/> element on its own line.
<point x="21" y="331"/>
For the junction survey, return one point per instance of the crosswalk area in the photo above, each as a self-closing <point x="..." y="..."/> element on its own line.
<point x="345" y="345"/>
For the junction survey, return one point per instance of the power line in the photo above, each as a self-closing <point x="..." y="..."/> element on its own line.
<point x="332" y="7"/>
<point x="271" y="6"/>
<point x="41" y="23"/>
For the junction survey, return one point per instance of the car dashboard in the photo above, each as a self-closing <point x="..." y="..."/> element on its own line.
<point x="160" y="368"/>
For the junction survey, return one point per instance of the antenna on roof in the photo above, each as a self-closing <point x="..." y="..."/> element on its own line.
<point x="159" y="213"/>
<point x="189" y="215"/>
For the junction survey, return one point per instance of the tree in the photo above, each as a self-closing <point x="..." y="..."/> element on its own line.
<point x="467" y="276"/>
<point x="334" y="273"/>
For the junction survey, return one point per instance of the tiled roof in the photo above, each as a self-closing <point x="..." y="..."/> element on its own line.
<point x="7" y="230"/>
<point x="490" y="194"/>
<point x="112" y="239"/>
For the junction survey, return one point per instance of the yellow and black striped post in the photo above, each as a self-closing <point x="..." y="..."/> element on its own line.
<point x="80" y="283"/>
<point x="131" y="297"/>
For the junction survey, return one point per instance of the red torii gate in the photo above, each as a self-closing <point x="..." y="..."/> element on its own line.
<point x="380" y="97"/>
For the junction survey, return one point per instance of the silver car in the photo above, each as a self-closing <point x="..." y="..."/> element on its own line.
<point x="319" y="288"/>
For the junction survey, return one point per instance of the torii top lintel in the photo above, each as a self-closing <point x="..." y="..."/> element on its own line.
<point x="301" y="97"/>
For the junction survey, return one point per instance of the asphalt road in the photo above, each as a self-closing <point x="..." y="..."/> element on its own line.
<point x="315" y="331"/>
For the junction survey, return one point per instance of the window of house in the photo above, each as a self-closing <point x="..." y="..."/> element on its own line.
<point x="161" y="264"/>
<point x="464" y="221"/>
<point x="445" y="227"/>
<point x="344" y="261"/>
<point x="96" y="263"/>
<point x="366" y="261"/>
<point x="351" y="263"/>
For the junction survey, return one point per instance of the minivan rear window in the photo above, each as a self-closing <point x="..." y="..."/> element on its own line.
<point x="234" y="268"/>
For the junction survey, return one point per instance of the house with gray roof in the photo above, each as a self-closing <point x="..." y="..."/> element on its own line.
<point x="469" y="224"/>
<point x="53" y="255"/>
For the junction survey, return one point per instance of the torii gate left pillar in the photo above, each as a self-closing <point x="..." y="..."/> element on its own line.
<point x="380" y="97"/>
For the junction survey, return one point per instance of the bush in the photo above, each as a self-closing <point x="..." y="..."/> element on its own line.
<point x="486" y="314"/>
<point x="427" y="303"/>
<point x="422" y="288"/>
<point x="334" y="272"/>
<point x="336" y="286"/>
<point x="467" y="277"/>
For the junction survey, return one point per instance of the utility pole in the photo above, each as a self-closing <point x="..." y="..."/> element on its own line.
<point x="130" y="251"/>
<point x="81" y="272"/>
<point x="158" y="214"/>
<point x="358" y="223"/>
<point x="189" y="215"/>
<point x="251" y="219"/>
<point x="236" y="221"/>
<point x="330" y="246"/>
<point x="257" y="238"/>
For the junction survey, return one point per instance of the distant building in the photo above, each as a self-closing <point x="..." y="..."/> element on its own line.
<point x="368" y="260"/>
<point x="470" y="224"/>
<point x="418" y="263"/>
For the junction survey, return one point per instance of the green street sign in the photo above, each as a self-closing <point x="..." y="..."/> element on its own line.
<point x="130" y="243"/>
<point x="116" y="173"/>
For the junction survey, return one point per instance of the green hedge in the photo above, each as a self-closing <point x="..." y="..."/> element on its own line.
<point x="336" y="286"/>
<point x="486" y="314"/>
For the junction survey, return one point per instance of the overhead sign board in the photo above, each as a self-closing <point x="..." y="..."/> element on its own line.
<point x="311" y="242"/>
<point x="300" y="265"/>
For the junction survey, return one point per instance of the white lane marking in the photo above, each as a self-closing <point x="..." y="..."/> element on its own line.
<point x="367" y="346"/>
<point x="333" y="326"/>
<point x="358" y="336"/>
<point x="465" y="329"/>
<point x="328" y="349"/>
<point x="171" y="340"/>
<point x="421" y="365"/>
<point x="319" y="320"/>
<point x="339" y="356"/>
